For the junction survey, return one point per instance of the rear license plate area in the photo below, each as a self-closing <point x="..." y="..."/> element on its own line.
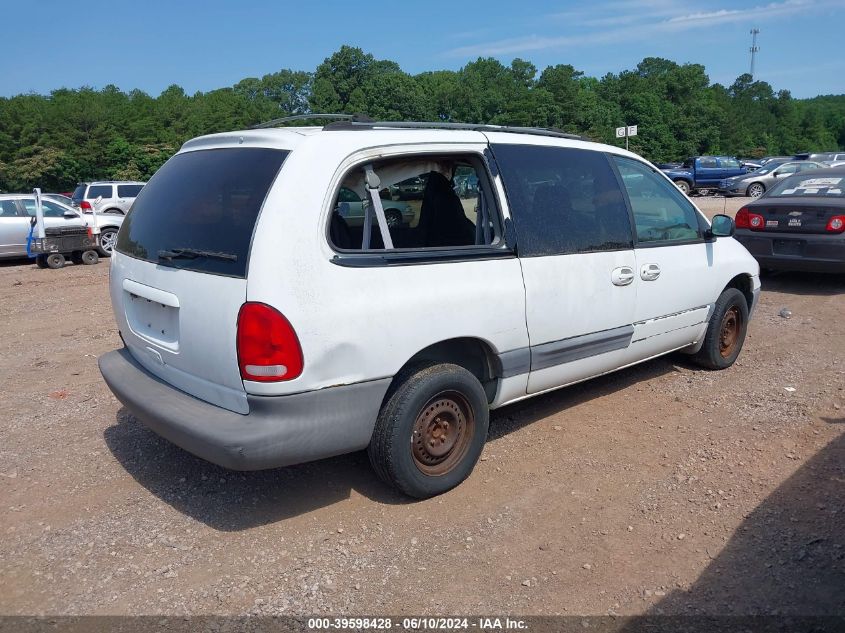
<point x="788" y="247"/>
<point x="153" y="321"/>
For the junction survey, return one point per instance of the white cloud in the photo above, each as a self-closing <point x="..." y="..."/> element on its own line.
<point x="635" y="20"/>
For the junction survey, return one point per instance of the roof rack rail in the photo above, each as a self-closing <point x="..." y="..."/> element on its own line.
<point x="315" y="115"/>
<point x="353" y="124"/>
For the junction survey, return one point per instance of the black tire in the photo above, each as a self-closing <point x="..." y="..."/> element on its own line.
<point x="41" y="261"/>
<point x="725" y="332"/>
<point x="55" y="260"/>
<point x="89" y="258"/>
<point x="449" y="404"/>
<point x="106" y="241"/>
<point x="755" y="190"/>
<point x="683" y="185"/>
<point x="393" y="217"/>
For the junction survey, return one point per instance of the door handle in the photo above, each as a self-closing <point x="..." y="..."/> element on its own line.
<point x="649" y="272"/>
<point x="622" y="276"/>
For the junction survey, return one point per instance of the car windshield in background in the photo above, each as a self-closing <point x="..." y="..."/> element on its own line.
<point x="818" y="186"/>
<point x="199" y="210"/>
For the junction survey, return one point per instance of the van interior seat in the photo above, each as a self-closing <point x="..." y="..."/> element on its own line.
<point x="442" y="218"/>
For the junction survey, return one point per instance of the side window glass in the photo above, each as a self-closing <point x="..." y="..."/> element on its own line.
<point x="50" y="210"/>
<point x="563" y="200"/>
<point x="729" y="163"/>
<point x="97" y="191"/>
<point x="707" y="163"/>
<point x="8" y="209"/>
<point x="428" y="202"/>
<point x="661" y="212"/>
<point x="127" y="191"/>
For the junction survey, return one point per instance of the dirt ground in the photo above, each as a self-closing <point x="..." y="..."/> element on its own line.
<point x="659" y="489"/>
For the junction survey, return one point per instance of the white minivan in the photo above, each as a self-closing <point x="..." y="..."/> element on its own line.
<point x="261" y="329"/>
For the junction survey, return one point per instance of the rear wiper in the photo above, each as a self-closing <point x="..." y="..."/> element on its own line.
<point x="193" y="253"/>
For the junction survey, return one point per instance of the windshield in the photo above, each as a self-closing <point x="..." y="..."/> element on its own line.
<point x="802" y="186"/>
<point x="201" y="206"/>
<point x="768" y="167"/>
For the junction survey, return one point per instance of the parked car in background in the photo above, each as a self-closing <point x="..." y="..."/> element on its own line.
<point x="667" y="166"/>
<point x="750" y="163"/>
<point x="835" y="159"/>
<point x="409" y="189"/>
<point x="823" y="157"/>
<point x="767" y="159"/>
<point x="351" y="208"/>
<point x="754" y="184"/>
<point x="17" y="211"/>
<point x="799" y="224"/>
<point x="58" y="197"/>
<point x="115" y="196"/>
<point x="704" y="172"/>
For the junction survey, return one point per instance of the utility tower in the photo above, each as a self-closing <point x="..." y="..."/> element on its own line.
<point x="754" y="49"/>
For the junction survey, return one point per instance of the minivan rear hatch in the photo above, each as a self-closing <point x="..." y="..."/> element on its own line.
<point x="178" y="278"/>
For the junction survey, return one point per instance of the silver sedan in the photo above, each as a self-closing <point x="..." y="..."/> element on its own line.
<point x="754" y="184"/>
<point x="17" y="210"/>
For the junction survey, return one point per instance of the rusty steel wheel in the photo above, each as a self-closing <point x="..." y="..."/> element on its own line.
<point x="430" y="430"/>
<point x="725" y="331"/>
<point x="729" y="331"/>
<point x="442" y="433"/>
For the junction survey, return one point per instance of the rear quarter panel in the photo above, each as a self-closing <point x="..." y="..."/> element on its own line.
<point x="359" y="324"/>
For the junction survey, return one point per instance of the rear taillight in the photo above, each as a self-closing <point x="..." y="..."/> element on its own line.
<point x="747" y="220"/>
<point x="85" y="206"/>
<point x="836" y="224"/>
<point x="268" y="348"/>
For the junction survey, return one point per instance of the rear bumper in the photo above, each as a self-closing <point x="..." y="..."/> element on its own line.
<point x="278" y="430"/>
<point x="799" y="251"/>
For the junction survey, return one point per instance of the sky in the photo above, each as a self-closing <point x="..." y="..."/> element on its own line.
<point x="203" y="45"/>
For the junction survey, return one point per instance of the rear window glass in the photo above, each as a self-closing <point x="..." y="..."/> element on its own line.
<point x="99" y="191"/>
<point x="128" y="191"/>
<point x="801" y="186"/>
<point x="79" y="193"/>
<point x="199" y="210"/>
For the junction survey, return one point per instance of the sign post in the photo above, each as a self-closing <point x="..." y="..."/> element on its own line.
<point x="625" y="132"/>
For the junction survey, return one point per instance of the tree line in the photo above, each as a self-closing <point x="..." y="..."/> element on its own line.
<point x="56" y="140"/>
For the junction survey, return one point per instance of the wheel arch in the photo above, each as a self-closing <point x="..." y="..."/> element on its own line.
<point x="744" y="284"/>
<point x="756" y="182"/>
<point x="473" y="354"/>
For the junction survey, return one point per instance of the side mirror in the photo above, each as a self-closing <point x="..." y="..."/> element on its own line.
<point x="68" y="215"/>
<point x="722" y="226"/>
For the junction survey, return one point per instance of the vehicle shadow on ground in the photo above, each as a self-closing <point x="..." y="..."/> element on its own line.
<point x="229" y="500"/>
<point x="786" y="558"/>
<point x="16" y="262"/>
<point x="232" y="501"/>
<point x="798" y="283"/>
